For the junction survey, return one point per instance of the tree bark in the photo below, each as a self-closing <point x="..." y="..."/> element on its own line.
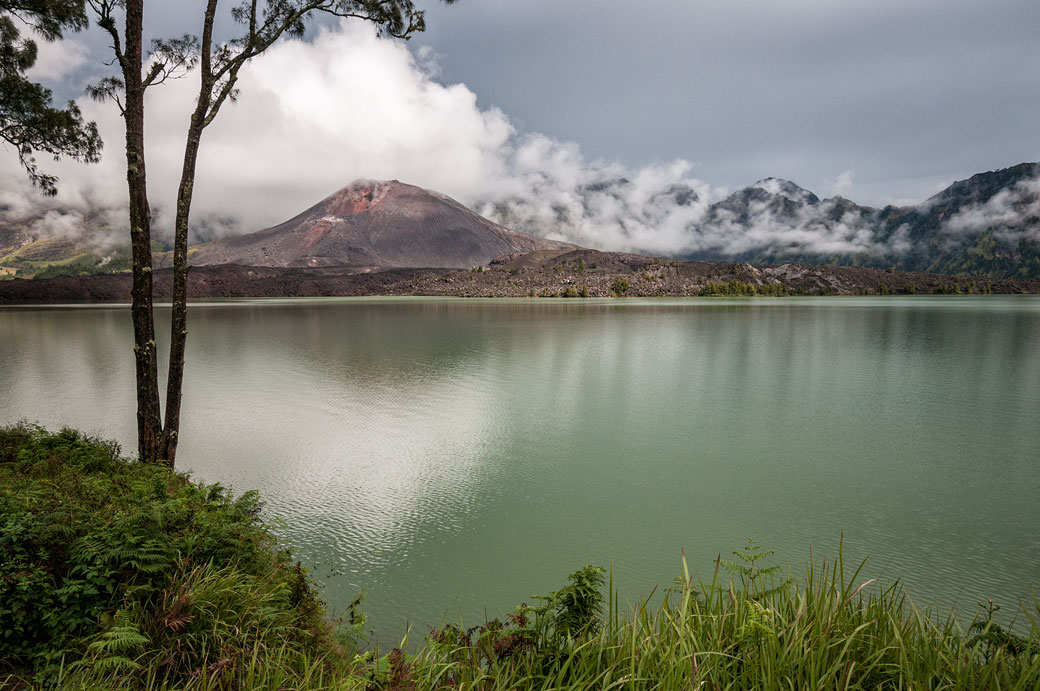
<point x="179" y="314"/>
<point x="149" y="415"/>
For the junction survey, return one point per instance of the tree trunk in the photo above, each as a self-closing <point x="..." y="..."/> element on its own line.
<point x="149" y="416"/>
<point x="179" y="313"/>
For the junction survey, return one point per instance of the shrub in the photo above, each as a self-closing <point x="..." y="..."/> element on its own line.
<point x="735" y="287"/>
<point x="620" y="286"/>
<point x="111" y="570"/>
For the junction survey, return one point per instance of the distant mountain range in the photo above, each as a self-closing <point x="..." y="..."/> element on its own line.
<point x="986" y="226"/>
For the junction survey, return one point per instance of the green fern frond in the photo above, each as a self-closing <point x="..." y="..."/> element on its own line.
<point x="114" y="664"/>
<point x="122" y="637"/>
<point x="753" y="576"/>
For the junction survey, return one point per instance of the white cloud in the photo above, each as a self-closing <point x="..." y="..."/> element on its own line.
<point x="840" y="186"/>
<point x="1012" y="214"/>
<point x="823" y="228"/>
<point x="57" y="60"/>
<point x="313" y="116"/>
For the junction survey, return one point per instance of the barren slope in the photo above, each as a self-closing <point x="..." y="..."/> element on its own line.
<point x="375" y="225"/>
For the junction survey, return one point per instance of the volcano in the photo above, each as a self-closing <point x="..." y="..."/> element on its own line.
<point x="372" y="225"/>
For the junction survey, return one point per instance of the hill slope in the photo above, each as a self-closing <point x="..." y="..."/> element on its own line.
<point x="372" y="225"/>
<point x="986" y="226"/>
<point x="545" y="273"/>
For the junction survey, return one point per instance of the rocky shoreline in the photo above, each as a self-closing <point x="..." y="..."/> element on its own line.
<point x="544" y="273"/>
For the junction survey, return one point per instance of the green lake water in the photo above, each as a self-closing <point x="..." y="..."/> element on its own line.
<point x="453" y="457"/>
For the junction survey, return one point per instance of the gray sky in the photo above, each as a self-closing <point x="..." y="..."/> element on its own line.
<point x="908" y="94"/>
<point x="530" y="102"/>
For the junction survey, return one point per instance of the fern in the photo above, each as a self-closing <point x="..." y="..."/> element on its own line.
<point x="122" y="637"/>
<point x="110" y="652"/>
<point x="111" y="665"/>
<point x="753" y="577"/>
<point x="989" y="636"/>
<point x="136" y="571"/>
<point x="758" y="624"/>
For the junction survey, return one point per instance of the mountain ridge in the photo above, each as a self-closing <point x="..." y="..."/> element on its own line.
<point x="987" y="225"/>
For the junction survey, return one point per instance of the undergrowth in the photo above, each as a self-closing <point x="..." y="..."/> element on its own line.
<point x="120" y="575"/>
<point x="757" y="629"/>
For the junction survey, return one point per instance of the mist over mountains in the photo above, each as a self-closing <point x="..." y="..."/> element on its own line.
<point x="987" y="225"/>
<point x="315" y="115"/>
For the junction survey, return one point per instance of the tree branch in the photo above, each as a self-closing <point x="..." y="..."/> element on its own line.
<point x="103" y="9"/>
<point x="173" y="59"/>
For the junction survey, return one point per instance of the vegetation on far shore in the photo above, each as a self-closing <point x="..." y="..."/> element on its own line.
<point x="118" y="574"/>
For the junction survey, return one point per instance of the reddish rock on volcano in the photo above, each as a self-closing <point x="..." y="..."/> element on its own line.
<point x="371" y="225"/>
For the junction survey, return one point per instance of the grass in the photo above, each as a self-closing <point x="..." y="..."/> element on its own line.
<point x="119" y="575"/>
<point x="823" y="631"/>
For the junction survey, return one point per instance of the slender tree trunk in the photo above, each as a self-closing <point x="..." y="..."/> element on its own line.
<point x="179" y="315"/>
<point x="149" y="416"/>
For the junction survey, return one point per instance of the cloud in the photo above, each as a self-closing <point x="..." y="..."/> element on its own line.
<point x="1012" y="215"/>
<point x="313" y="116"/>
<point x="550" y="190"/>
<point x="57" y="60"/>
<point x="771" y="226"/>
<point x="840" y="186"/>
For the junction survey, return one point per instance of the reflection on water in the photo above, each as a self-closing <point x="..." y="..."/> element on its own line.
<point x="447" y="455"/>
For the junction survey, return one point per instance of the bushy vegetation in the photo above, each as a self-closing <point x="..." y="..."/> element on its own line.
<point x="87" y="264"/>
<point x="620" y="286"/>
<point x="735" y="287"/>
<point x="89" y="267"/>
<point x="749" y="629"/>
<point x="121" y="575"/>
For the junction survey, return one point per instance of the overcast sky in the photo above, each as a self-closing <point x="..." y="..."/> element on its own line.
<point x="882" y="101"/>
<point x="907" y="94"/>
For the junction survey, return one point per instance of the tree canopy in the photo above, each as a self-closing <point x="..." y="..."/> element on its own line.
<point x="28" y="120"/>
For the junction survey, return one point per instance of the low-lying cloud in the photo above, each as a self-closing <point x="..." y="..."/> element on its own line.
<point x="1012" y="214"/>
<point x="313" y="116"/>
<point x="825" y="228"/>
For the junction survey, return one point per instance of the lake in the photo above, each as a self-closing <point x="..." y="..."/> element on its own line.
<point x="454" y="457"/>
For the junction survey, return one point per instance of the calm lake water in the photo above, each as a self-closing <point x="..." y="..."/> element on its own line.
<point x="454" y="457"/>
